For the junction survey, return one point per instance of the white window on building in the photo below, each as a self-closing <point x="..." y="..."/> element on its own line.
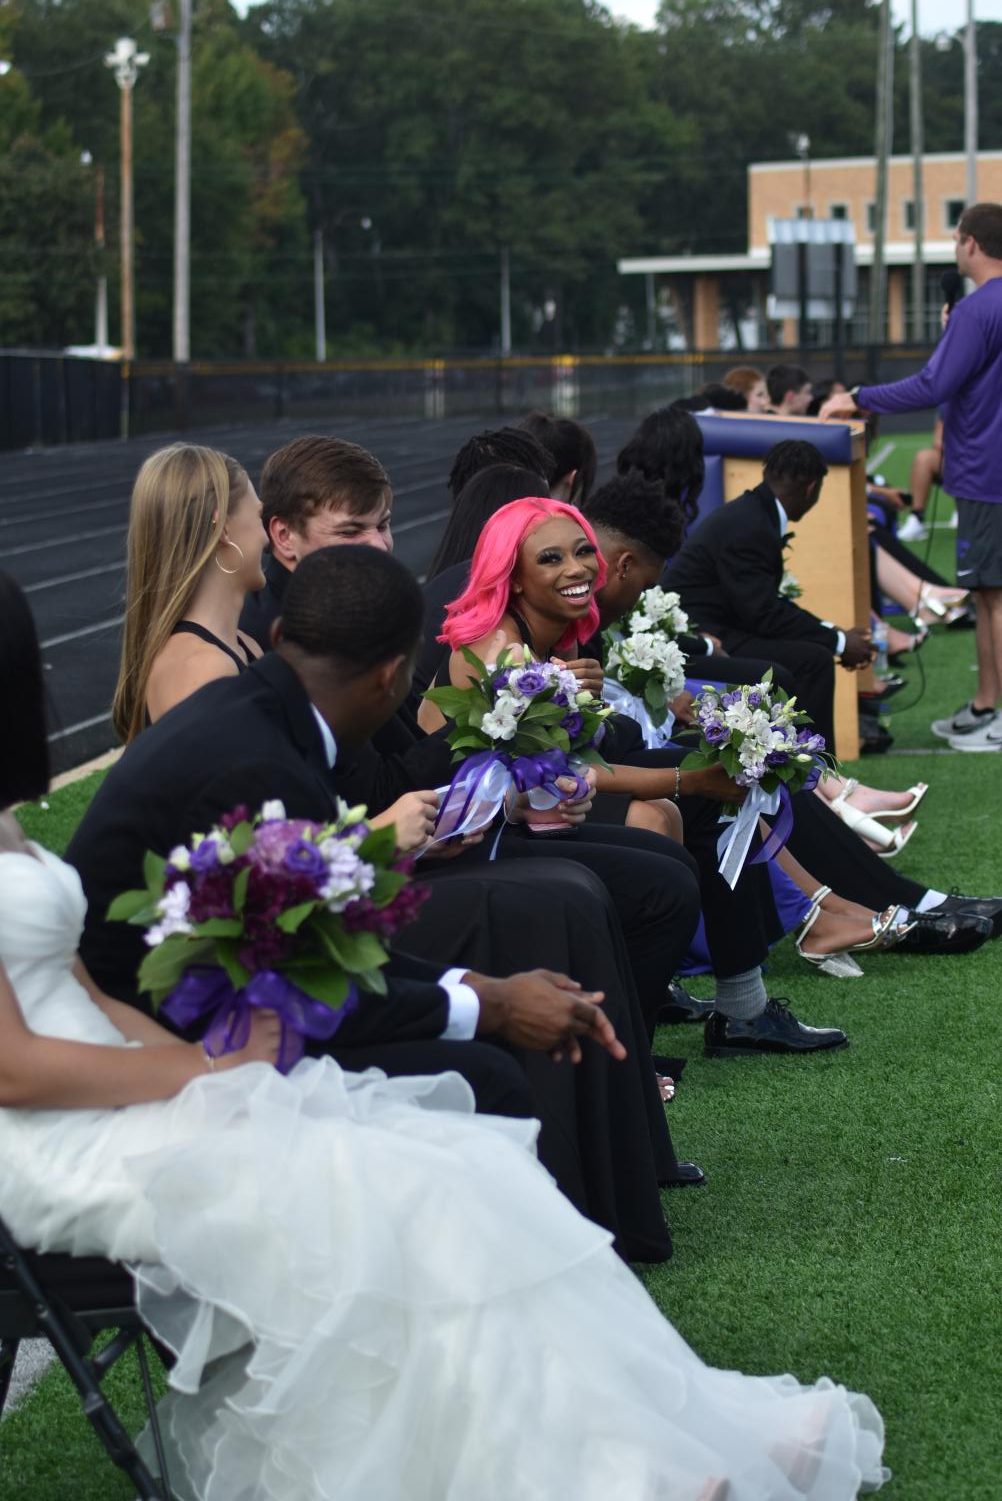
<point x="952" y="210"/>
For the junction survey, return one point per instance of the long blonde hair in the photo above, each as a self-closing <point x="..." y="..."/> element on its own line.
<point x="181" y="501"/>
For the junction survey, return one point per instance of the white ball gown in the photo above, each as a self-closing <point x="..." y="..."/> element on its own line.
<point x="376" y="1295"/>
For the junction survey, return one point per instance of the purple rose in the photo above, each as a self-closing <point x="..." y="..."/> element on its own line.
<point x="500" y="679"/>
<point x="205" y="855"/>
<point x="530" y="681"/>
<point x="754" y="700"/>
<point x="729" y="699"/>
<point x="572" y="723"/>
<point x="560" y="699"/>
<point x="304" y="859"/>
<point x="777" y="758"/>
<point x="715" y="732"/>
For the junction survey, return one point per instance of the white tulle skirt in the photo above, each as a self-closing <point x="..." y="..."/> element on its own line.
<point x="375" y="1295"/>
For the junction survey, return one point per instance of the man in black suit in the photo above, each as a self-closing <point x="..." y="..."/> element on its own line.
<point x="275" y="731"/>
<point x="728" y="575"/>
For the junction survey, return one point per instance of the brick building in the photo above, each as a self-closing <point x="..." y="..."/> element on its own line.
<point x="706" y="294"/>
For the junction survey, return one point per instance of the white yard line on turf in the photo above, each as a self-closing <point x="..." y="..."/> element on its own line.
<point x="874" y="459"/>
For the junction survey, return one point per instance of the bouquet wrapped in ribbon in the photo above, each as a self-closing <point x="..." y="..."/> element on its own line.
<point x="765" y="743"/>
<point x="268" y="911"/>
<point x="645" y="666"/>
<point x="516" y="728"/>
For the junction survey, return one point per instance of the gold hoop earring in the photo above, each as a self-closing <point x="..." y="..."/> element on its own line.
<point x="229" y="571"/>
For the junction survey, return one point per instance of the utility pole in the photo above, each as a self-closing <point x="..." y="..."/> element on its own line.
<point x="885" y="115"/>
<point x="319" y="308"/>
<point x="505" y="303"/>
<point x="971" y="107"/>
<point x="125" y="62"/>
<point x="918" y="196"/>
<point x="182" y="191"/>
<point x="101" y="299"/>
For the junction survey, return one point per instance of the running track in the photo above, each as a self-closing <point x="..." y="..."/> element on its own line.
<point x="63" y="518"/>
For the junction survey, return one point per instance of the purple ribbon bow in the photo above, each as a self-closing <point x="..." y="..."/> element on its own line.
<point x="205" y="992"/>
<point x="541" y="771"/>
<point x="780" y="831"/>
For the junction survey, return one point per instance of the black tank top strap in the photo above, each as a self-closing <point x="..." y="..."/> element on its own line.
<point x="523" y="629"/>
<point x="192" y="628"/>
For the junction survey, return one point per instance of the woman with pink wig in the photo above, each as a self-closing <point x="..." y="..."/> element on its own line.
<point x="535" y="572"/>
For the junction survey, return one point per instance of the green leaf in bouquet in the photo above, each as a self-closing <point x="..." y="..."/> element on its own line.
<point x="699" y="760"/>
<point x="219" y="927"/>
<point x="132" y="906"/>
<point x="475" y="741"/>
<point x="154" y="871"/>
<point x="374" y="982"/>
<point x="654" y="693"/>
<point x="226" y="951"/>
<point x="163" y="966"/>
<point x="543" y="711"/>
<point x="589" y="756"/>
<point x="451" y="701"/>
<point x="241" y="838"/>
<point x="354" y="952"/>
<point x="328" y="985"/>
<point x="386" y="886"/>
<point x="484" y="673"/>
<point x="293" y="918"/>
<point x="379" y="846"/>
<point x="240" y="889"/>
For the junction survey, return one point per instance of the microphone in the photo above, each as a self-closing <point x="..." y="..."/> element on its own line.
<point x="952" y="284"/>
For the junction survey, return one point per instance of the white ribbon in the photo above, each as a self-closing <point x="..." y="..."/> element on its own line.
<point x="735" y="841"/>
<point x="656" y="736"/>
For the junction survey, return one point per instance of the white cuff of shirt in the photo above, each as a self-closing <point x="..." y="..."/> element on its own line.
<point x="709" y="645"/>
<point x="839" y="636"/>
<point x="464" y="1007"/>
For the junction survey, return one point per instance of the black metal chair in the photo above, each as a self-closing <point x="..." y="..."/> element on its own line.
<point x="70" y="1301"/>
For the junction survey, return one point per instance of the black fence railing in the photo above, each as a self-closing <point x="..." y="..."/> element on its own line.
<point x="53" y="398"/>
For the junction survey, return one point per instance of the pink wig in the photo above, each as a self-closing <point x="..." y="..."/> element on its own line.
<point x="483" y="603"/>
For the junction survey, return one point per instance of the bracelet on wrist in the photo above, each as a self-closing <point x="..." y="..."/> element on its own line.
<point x="678" y="781"/>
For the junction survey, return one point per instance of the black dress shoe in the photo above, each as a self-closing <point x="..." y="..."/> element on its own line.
<point x="775" y="1030"/>
<point x="940" y="932"/>
<point x="682" y="1007"/>
<point x="686" y="1175"/>
<point x="976" y="906"/>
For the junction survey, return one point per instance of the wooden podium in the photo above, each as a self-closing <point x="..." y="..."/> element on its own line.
<point x="829" y="554"/>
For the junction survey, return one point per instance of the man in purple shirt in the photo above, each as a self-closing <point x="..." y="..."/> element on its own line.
<point x="964" y="375"/>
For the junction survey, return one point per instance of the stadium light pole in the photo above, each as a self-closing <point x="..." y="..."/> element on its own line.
<point x="885" y="121"/>
<point x="971" y="106"/>
<point x="182" y="191"/>
<point x="918" y="196"/>
<point x="125" y="62"/>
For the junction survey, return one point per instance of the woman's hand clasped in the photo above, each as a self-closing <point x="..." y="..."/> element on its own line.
<point x="262" y="1046"/>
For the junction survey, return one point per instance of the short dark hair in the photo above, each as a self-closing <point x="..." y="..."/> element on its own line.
<point x="982" y="222"/>
<point x="480" y="497"/>
<point x="796" y="461"/>
<point x="500" y="445"/>
<point x="714" y="394"/>
<point x="311" y="473"/>
<point x="570" y="446"/>
<point x="24" y="749"/>
<point x="668" y="447"/>
<point x="358" y="605"/>
<point x="638" y="510"/>
<point x="783" y="378"/>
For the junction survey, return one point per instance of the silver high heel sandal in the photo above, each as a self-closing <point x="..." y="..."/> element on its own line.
<point x="892" y="815"/>
<point x="945" y="612"/>
<point x="841" y="964"/>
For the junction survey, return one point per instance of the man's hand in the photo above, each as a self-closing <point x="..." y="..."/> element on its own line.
<point x="587" y="671"/>
<point x="713" y="783"/>
<point x="448" y="849"/>
<point x="546" y="1012"/>
<point x="681" y="706"/>
<point x="413" y="816"/>
<point x="838" y="407"/>
<point x="858" y="649"/>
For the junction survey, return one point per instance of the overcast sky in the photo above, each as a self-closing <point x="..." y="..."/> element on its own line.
<point x="934" y="15"/>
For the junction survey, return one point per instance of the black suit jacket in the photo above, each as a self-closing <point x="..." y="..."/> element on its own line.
<point x="264" y="607"/>
<point x="237" y="740"/>
<point x="728" y="575"/>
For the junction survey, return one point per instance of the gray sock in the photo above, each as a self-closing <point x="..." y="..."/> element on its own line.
<point x="741" y="997"/>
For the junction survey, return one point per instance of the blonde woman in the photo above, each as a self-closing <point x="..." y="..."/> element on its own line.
<point x="194" y="552"/>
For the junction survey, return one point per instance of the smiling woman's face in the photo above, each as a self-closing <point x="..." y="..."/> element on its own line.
<point x="556" y="570"/>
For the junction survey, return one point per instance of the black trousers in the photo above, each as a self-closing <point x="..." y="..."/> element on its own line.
<point x="653" y="884"/>
<point x="812" y="668"/>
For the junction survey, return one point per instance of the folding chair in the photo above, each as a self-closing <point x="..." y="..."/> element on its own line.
<point x="70" y="1301"/>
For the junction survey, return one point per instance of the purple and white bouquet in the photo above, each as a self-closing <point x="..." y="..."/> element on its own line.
<point x="517" y="727"/>
<point x="286" y="914"/>
<point x="644" y="665"/>
<point x="764" y="743"/>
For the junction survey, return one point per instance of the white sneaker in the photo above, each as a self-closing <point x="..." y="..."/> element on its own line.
<point x="987" y="738"/>
<point x="953" y="523"/>
<point x="966" y="720"/>
<point x="912" y="529"/>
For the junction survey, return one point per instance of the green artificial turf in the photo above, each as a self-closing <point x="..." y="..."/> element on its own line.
<point x="851" y="1222"/>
